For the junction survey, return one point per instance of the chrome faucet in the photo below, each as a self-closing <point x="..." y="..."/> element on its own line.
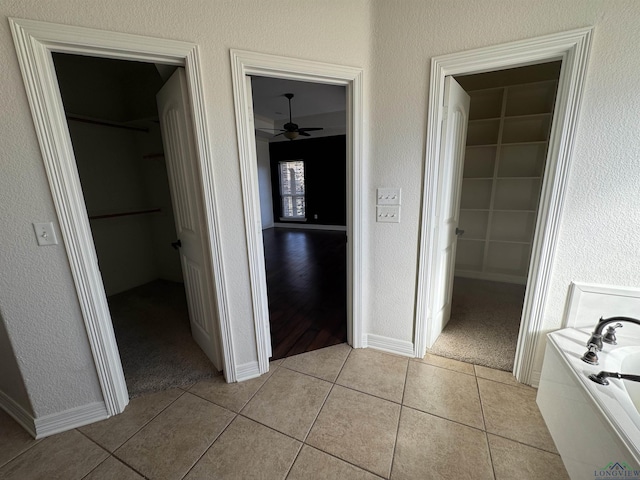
<point x="594" y="344"/>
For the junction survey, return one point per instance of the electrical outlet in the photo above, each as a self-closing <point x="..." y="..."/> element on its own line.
<point x="389" y="214"/>
<point x="45" y="234"/>
<point x="388" y="196"/>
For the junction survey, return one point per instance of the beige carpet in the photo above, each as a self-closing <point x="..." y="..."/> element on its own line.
<point x="151" y="324"/>
<point x="484" y="324"/>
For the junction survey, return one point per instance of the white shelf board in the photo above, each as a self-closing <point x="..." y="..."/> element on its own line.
<point x="517" y="242"/>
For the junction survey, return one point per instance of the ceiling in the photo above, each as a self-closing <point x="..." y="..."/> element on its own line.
<point x="309" y="99"/>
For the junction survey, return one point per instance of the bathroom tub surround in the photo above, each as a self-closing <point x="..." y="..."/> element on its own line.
<point x="332" y="413"/>
<point x="591" y="424"/>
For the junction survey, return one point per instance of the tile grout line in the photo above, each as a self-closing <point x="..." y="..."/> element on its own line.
<point x="110" y="454"/>
<point x="522" y="386"/>
<point x="304" y="442"/>
<point x="246" y="403"/>
<point x="443" y="418"/>
<point x="524" y="444"/>
<point x="235" y="415"/>
<point x="309" y="445"/>
<point x="117" y="459"/>
<point x="419" y="360"/>
<point x="342" y="460"/>
<point x="502" y="436"/>
<point x="139" y="429"/>
<point x="484" y="423"/>
<point x="333" y="384"/>
<point x="288" y="472"/>
<point x="99" y="463"/>
<point x="493" y="467"/>
<point x="19" y="454"/>
<point x="395" y="443"/>
<point x="474" y="374"/>
<point x="113" y="454"/>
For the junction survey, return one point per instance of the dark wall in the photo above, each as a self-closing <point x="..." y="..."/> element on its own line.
<point x="325" y="171"/>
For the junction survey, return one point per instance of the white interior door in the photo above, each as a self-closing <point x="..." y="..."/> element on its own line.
<point x="452" y="150"/>
<point x="177" y="138"/>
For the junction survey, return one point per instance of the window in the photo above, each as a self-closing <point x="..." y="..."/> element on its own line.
<point x="292" y="190"/>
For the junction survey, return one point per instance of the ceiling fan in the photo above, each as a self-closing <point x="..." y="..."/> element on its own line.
<point x="291" y="130"/>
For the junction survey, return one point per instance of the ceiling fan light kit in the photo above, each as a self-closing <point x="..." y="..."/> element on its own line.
<point x="291" y="130"/>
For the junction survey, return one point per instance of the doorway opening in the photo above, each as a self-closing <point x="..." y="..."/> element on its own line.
<point x="130" y="193"/>
<point x="245" y="65"/>
<point x="302" y="177"/>
<point x="572" y="50"/>
<point x="510" y="118"/>
<point x="35" y="43"/>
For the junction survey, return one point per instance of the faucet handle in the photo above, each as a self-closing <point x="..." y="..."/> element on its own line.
<point x="610" y="336"/>
<point x="590" y="356"/>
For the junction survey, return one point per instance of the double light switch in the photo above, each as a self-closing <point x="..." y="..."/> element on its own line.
<point x="388" y="205"/>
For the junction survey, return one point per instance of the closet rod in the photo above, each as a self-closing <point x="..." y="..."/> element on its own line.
<point x="106" y="123"/>
<point x="125" y="214"/>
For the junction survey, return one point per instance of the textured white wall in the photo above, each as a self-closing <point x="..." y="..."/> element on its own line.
<point x="11" y="383"/>
<point x="394" y="42"/>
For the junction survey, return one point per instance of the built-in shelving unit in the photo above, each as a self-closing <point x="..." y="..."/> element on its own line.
<point x="507" y="142"/>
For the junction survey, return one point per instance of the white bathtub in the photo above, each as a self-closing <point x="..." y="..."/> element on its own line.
<point x="594" y="426"/>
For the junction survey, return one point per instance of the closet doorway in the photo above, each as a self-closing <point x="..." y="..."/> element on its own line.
<point x="143" y="213"/>
<point x="507" y="143"/>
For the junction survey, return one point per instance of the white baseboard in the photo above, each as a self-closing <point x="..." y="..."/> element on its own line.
<point x="311" y="226"/>
<point x="390" y="345"/>
<point x="18" y="413"/>
<point x="70" y="419"/>
<point x="492" y="277"/>
<point x="247" y="371"/>
<point x="535" y="378"/>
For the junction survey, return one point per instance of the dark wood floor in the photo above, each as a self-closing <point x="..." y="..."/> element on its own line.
<point x="307" y="287"/>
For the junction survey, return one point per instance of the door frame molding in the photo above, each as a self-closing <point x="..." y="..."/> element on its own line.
<point x="244" y="64"/>
<point x="35" y="42"/>
<point x="572" y="48"/>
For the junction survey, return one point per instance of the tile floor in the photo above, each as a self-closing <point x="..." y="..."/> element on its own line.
<point x="335" y="413"/>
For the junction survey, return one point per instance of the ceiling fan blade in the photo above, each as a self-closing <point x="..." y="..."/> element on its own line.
<point x="270" y="129"/>
<point x="304" y="134"/>
<point x="278" y="134"/>
<point x="311" y="129"/>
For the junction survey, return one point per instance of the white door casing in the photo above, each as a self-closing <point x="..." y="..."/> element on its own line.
<point x="572" y="48"/>
<point x="252" y="149"/>
<point x="34" y="42"/>
<point x="177" y="137"/>
<point x="452" y="151"/>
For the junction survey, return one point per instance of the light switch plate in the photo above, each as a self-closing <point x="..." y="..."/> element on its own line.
<point x="388" y="214"/>
<point x="388" y="196"/>
<point x="45" y="234"/>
